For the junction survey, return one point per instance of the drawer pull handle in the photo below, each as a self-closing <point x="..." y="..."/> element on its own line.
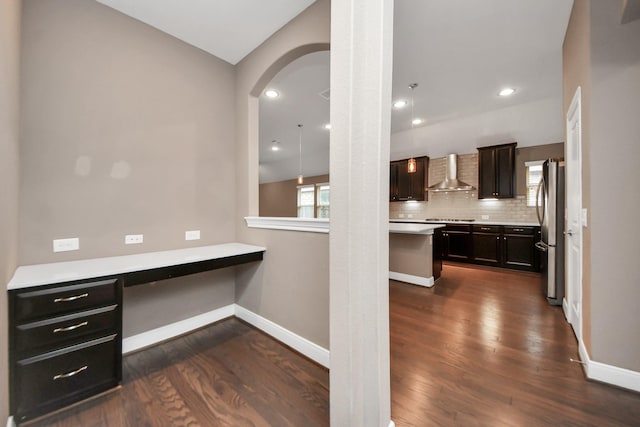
<point x="73" y="298"/>
<point x="70" y="374"/>
<point x="70" y="328"/>
<point x="485" y="228"/>
<point x="518" y="229"/>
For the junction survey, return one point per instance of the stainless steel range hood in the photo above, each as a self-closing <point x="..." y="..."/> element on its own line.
<point x="451" y="181"/>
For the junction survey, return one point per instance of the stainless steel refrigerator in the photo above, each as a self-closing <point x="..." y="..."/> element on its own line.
<point x="550" y="204"/>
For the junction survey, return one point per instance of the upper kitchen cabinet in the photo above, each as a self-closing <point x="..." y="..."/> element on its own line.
<point x="496" y="171"/>
<point x="405" y="185"/>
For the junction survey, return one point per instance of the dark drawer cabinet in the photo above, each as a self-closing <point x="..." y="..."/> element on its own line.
<point x="456" y="242"/>
<point x="487" y="244"/>
<point x="65" y="344"/>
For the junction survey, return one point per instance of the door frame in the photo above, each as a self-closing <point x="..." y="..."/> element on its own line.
<point x="574" y="286"/>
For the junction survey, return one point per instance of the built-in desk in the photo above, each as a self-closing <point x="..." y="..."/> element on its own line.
<point x="65" y="320"/>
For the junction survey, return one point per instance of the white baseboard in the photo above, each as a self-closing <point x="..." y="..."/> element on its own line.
<point x="609" y="374"/>
<point x="410" y="278"/>
<point x="311" y="350"/>
<point x="10" y="422"/>
<point x="163" y="333"/>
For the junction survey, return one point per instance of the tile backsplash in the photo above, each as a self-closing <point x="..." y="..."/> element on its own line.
<point x="463" y="204"/>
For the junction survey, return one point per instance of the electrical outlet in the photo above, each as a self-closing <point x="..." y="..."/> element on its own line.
<point x="401" y="215"/>
<point x="133" y="239"/>
<point x="192" y="235"/>
<point x="64" y="245"/>
<point x="409" y="215"/>
<point x="485" y="216"/>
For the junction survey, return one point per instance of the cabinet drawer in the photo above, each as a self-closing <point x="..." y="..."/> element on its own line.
<point x="509" y="229"/>
<point x="64" y="299"/>
<point x="458" y="227"/>
<point x="479" y="228"/>
<point x="64" y="330"/>
<point x="52" y="380"/>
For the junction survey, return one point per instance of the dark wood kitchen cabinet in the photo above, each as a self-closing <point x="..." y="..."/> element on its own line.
<point x="496" y="171"/>
<point x="65" y="344"/>
<point x="487" y="244"/>
<point x="404" y="186"/>
<point x="456" y="242"/>
<point x="506" y="246"/>
<point x="519" y="248"/>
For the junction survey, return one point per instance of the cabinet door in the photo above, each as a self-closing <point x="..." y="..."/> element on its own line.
<point x="519" y="251"/>
<point x="486" y="248"/>
<point x="505" y="171"/>
<point x="393" y="181"/>
<point x="411" y="186"/>
<point x="457" y="245"/>
<point x="486" y="173"/>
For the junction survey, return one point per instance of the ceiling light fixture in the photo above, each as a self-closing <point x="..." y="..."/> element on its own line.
<point x="327" y="126"/>
<point x="300" y="178"/>
<point x="411" y="164"/>
<point x="400" y="104"/>
<point x="271" y="93"/>
<point x="507" y="91"/>
<point x="275" y="146"/>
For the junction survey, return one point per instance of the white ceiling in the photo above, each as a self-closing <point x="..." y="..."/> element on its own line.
<point x="460" y="52"/>
<point x="228" y="29"/>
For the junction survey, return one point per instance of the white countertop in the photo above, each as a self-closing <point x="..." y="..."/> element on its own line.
<point x="481" y="222"/>
<point x="58" y="272"/>
<point x="413" y="228"/>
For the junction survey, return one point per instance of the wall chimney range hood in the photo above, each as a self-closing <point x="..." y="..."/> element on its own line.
<point x="451" y="181"/>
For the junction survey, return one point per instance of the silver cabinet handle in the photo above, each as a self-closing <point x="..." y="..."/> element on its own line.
<point x="485" y="228"/>
<point x="70" y="328"/>
<point x="73" y="298"/>
<point x="518" y="229"/>
<point x="70" y="374"/>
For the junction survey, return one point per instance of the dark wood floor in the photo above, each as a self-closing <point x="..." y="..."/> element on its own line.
<point x="229" y="374"/>
<point x="481" y="348"/>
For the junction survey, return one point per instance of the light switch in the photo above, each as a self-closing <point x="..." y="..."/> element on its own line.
<point x="584" y="217"/>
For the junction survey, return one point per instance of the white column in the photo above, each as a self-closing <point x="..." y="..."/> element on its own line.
<point x="361" y="61"/>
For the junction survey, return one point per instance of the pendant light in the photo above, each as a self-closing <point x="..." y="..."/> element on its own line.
<point x="300" y="178"/>
<point x="411" y="164"/>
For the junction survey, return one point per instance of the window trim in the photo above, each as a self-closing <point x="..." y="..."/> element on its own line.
<point x="527" y="165"/>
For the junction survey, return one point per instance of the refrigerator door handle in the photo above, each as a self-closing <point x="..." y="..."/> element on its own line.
<point x="539" y="197"/>
<point x="542" y="246"/>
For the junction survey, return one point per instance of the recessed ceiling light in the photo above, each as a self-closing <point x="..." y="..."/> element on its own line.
<point x="271" y="93"/>
<point x="417" y="121"/>
<point x="508" y="91"/>
<point x="400" y="104"/>
<point x="327" y="126"/>
<point x="275" y="146"/>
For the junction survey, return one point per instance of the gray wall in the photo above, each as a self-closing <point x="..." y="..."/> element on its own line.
<point x="613" y="167"/>
<point x="125" y="130"/>
<point x="291" y="285"/>
<point x="9" y="113"/>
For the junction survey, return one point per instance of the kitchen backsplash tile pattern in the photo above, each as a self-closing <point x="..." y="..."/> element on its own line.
<point x="464" y="204"/>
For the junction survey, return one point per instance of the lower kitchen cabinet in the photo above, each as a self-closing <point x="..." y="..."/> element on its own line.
<point x="487" y="244"/>
<point x="492" y="245"/>
<point x="456" y="242"/>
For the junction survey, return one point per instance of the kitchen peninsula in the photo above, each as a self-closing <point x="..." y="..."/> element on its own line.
<point x="411" y="253"/>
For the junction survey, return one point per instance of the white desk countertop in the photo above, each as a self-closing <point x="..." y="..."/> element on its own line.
<point x="413" y="228"/>
<point x="58" y="272"/>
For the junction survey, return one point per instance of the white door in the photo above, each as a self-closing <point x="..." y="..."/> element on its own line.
<point x="573" y="228"/>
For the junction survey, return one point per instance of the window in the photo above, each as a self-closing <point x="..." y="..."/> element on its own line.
<point x="534" y="175"/>
<point x="313" y="201"/>
<point x="306" y="197"/>
<point x="322" y="201"/>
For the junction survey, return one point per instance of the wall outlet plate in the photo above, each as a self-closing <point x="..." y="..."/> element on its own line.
<point x="64" y="245"/>
<point x="133" y="239"/>
<point x="192" y="235"/>
<point x="485" y="216"/>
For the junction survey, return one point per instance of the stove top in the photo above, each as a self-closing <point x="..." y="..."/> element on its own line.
<point x="450" y="220"/>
